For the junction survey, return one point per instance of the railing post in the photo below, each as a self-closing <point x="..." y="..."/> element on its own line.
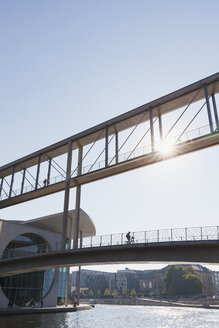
<point x="158" y="236"/>
<point x="121" y="238"/>
<point x="111" y="239"/>
<point x="171" y="234"/>
<point x="185" y="233"/>
<point x="100" y="240"/>
<point x="49" y="171"/>
<point x="217" y="232"/>
<point x="145" y="236"/>
<point x="91" y="239"/>
<point x="201" y="232"/>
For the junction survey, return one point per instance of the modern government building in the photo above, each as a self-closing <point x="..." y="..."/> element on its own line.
<point x="21" y="238"/>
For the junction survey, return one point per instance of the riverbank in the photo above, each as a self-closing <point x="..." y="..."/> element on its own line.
<point x="155" y="302"/>
<point x="35" y="310"/>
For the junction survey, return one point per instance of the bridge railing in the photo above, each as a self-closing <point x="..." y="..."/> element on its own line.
<point x="139" y="237"/>
<point x="154" y="236"/>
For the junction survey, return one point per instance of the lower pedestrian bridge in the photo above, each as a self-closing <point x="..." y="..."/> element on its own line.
<point x="186" y="245"/>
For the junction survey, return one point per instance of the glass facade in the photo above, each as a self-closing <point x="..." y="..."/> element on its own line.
<point x="30" y="287"/>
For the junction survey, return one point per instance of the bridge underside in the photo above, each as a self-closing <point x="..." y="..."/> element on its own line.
<point x="205" y="252"/>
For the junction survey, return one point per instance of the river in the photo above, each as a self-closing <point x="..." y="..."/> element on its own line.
<point x="117" y="316"/>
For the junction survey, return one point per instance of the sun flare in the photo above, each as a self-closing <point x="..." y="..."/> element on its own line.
<point x="166" y="147"/>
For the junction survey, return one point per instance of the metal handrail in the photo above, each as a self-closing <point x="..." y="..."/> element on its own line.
<point x="140" y="237"/>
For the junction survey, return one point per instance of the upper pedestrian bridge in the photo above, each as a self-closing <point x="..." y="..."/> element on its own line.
<point x="186" y="118"/>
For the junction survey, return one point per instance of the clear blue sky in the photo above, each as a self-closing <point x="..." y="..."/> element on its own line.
<point x="68" y="65"/>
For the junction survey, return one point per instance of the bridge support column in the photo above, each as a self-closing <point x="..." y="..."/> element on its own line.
<point x="215" y="110"/>
<point x="79" y="273"/>
<point x="151" y="128"/>
<point x="208" y="109"/>
<point x="12" y="181"/>
<point x="23" y="180"/>
<point x="160" y="126"/>
<point x="38" y="172"/>
<point x="66" y="199"/>
<point x="106" y="145"/>
<point x="78" y="201"/>
<point x="117" y="147"/>
<point x="49" y="171"/>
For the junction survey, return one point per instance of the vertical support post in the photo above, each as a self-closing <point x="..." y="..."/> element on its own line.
<point x="78" y="201"/>
<point x="23" y="180"/>
<point x="117" y="147"/>
<point x="49" y="171"/>
<point x="12" y="181"/>
<point x="157" y="235"/>
<point x="111" y="239"/>
<point x="1" y="186"/>
<point x="208" y="108"/>
<point x="79" y="273"/>
<point x="66" y="199"/>
<point x="106" y="145"/>
<point x="151" y="128"/>
<point x="160" y="125"/>
<point x="38" y="172"/>
<point x="171" y="234"/>
<point x="145" y="236"/>
<point x="215" y="110"/>
<point x="185" y="233"/>
<point x="201" y="233"/>
<point x="66" y="286"/>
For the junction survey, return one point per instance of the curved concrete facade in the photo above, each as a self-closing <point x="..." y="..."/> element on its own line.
<point x="49" y="228"/>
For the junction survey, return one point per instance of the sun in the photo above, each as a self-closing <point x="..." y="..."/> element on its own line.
<point x="166" y="147"/>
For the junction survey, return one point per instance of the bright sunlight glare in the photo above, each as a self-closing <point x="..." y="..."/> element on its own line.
<point x="166" y="147"/>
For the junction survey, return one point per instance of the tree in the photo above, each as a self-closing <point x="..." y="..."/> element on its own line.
<point x="106" y="292"/>
<point x="124" y="291"/>
<point x="115" y="292"/>
<point x="180" y="281"/>
<point x="99" y="292"/>
<point x="133" y="292"/>
<point x="91" y="293"/>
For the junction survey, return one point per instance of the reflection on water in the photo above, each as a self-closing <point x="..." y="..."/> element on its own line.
<point x="115" y="316"/>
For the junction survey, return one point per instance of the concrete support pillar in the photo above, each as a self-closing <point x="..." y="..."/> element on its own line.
<point x="106" y="145"/>
<point x="79" y="273"/>
<point x="12" y="181"/>
<point x="66" y="199"/>
<point x="78" y="201"/>
<point x="215" y="110"/>
<point x="208" y="109"/>
<point x="151" y="128"/>
<point x="38" y="172"/>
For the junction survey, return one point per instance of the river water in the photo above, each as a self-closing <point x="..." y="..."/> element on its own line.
<point x="116" y="316"/>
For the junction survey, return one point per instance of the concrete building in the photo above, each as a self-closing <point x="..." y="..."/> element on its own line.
<point x="21" y="238"/>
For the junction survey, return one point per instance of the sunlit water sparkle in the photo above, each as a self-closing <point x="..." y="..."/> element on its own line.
<point x="115" y="316"/>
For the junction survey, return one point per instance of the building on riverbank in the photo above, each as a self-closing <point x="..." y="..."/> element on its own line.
<point x="31" y="237"/>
